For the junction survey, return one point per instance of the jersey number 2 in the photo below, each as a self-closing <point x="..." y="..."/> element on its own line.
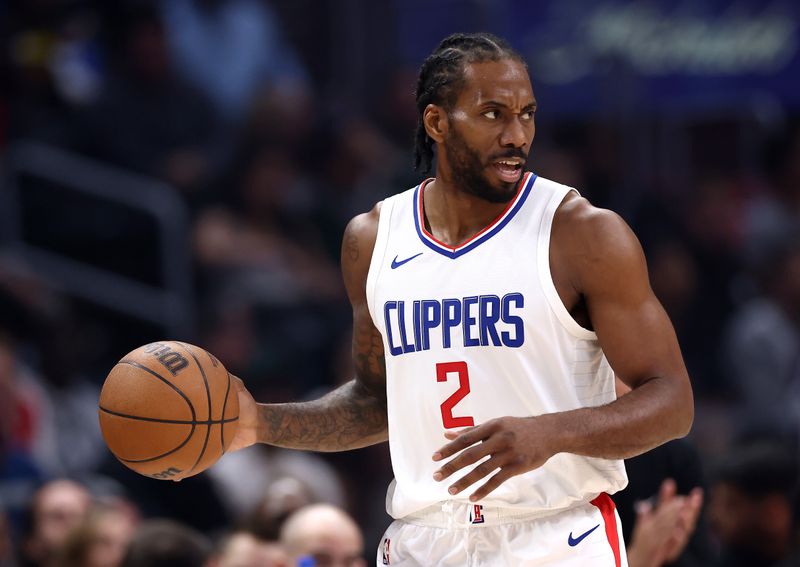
<point x="460" y="368"/>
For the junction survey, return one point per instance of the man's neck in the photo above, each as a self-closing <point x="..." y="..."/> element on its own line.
<point x="453" y="216"/>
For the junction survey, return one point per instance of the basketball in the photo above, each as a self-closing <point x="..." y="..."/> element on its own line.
<point x="168" y="410"/>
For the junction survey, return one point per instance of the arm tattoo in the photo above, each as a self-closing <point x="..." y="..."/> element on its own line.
<point x="344" y="419"/>
<point x="352" y="416"/>
<point x="351" y="246"/>
<point x="368" y="353"/>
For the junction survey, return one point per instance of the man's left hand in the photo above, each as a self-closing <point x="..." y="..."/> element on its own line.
<point x="515" y="445"/>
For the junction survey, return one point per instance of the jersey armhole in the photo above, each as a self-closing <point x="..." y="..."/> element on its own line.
<point x="378" y="255"/>
<point x="546" y="277"/>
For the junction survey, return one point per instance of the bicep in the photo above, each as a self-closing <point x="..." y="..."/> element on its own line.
<point x="368" y="356"/>
<point x="633" y="328"/>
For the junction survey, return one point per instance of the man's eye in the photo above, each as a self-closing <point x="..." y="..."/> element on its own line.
<point x="491" y="114"/>
<point x="527" y="115"/>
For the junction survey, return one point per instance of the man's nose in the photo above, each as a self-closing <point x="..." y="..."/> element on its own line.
<point x="514" y="135"/>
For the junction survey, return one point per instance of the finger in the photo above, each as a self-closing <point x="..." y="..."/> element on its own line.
<point x="467" y="457"/>
<point x="644" y="507"/>
<point x="492" y="484"/>
<point x="463" y="439"/>
<point x="667" y="491"/>
<point x="481" y="471"/>
<point x="455" y="433"/>
<point x="238" y="383"/>
<point x="241" y="390"/>
<point x="696" y="498"/>
<point x="694" y="503"/>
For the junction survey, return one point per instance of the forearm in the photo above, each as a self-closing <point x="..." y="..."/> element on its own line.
<point x="652" y="414"/>
<point x="350" y="417"/>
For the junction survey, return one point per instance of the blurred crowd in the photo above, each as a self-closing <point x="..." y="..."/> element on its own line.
<point x="224" y="101"/>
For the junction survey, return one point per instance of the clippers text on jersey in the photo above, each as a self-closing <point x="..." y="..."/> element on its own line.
<point x="478" y="320"/>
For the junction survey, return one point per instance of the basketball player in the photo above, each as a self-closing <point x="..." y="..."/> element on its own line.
<point x="491" y="310"/>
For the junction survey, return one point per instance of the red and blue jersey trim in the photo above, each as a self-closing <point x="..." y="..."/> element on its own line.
<point x="493" y="228"/>
<point x="606" y="506"/>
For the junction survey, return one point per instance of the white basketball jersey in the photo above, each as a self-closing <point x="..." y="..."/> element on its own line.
<point x="477" y="332"/>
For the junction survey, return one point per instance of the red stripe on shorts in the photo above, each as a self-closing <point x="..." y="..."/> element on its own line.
<point x="607" y="508"/>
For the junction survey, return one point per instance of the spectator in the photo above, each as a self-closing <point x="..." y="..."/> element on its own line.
<point x="272" y="482"/>
<point x="194" y="502"/>
<point x="56" y="509"/>
<point x="762" y="343"/>
<point x="6" y="546"/>
<point x="169" y="127"/>
<point x="68" y="440"/>
<point x="267" y="242"/>
<point x="663" y="528"/>
<point x="51" y="414"/>
<point x="752" y="508"/>
<point x="230" y="49"/>
<point x="242" y="549"/>
<point x="102" y="539"/>
<point x="19" y="475"/>
<point x="362" y="165"/>
<point x="774" y="214"/>
<point x="325" y="533"/>
<point x="266" y="269"/>
<point x="162" y="543"/>
<point x="675" y="276"/>
<point x="52" y="62"/>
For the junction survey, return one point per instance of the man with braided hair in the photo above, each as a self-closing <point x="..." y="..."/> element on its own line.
<point x="492" y="309"/>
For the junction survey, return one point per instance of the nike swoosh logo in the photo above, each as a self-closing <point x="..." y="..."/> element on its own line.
<point x="573" y="541"/>
<point x="396" y="264"/>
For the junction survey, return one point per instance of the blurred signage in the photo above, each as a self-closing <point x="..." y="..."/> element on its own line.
<point x="583" y="53"/>
<point x="657" y="40"/>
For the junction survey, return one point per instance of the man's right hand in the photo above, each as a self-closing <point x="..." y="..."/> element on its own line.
<point x="247" y="428"/>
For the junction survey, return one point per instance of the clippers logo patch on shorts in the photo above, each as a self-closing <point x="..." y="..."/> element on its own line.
<point x="386" y="543"/>
<point x="476" y="514"/>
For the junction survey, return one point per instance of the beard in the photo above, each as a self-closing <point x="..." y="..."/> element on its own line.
<point x="468" y="170"/>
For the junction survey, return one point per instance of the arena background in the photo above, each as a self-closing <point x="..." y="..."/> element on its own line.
<point x="184" y="169"/>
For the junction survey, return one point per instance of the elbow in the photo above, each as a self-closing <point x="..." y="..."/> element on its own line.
<point x="684" y="407"/>
<point x="685" y="424"/>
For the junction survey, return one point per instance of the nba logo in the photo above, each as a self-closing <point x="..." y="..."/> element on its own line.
<point x="476" y="514"/>
<point x="386" y="543"/>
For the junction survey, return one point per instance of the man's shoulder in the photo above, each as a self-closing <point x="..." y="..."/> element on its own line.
<point x="357" y="246"/>
<point x="591" y="242"/>
<point x="364" y="225"/>
<point x="576" y="210"/>
<point x="579" y="217"/>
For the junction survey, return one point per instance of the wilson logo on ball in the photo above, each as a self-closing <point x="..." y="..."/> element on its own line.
<point x="169" y="473"/>
<point x="172" y="361"/>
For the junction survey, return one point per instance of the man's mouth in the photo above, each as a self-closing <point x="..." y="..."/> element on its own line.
<point x="509" y="169"/>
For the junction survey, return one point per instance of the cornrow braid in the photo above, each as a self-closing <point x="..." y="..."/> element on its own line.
<point x="441" y="77"/>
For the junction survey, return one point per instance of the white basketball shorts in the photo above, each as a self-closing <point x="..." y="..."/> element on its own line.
<point x="454" y="534"/>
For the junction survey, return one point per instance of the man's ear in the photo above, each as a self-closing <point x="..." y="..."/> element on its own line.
<point x="436" y="122"/>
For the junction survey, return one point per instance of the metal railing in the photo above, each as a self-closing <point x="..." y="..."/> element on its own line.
<point x="169" y="305"/>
